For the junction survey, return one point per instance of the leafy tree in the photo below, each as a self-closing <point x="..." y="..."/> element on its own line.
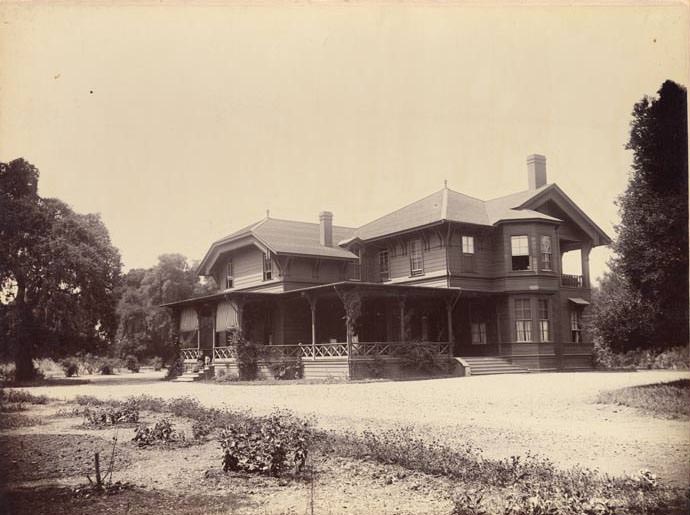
<point x="145" y="328"/>
<point x="58" y="272"/>
<point x="644" y="301"/>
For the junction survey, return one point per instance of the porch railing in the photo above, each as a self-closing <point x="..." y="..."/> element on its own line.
<point x="338" y="350"/>
<point x="574" y="281"/>
<point x="190" y="354"/>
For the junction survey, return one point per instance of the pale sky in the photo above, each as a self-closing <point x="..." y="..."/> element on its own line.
<point x="182" y="124"/>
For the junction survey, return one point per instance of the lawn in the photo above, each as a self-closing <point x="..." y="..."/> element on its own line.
<point x="665" y="400"/>
<point x="195" y="459"/>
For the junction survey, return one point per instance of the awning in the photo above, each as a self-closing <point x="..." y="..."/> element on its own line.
<point x="578" y="301"/>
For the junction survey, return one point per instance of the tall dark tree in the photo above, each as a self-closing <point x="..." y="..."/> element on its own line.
<point x="58" y="272"/>
<point x="145" y="328"/>
<point x="651" y="249"/>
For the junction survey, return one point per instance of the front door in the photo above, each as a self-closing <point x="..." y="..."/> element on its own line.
<point x="206" y="336"/>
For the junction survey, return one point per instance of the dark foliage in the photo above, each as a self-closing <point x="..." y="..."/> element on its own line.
<point x="644" y="301"/>
<point x="162" y="431"/>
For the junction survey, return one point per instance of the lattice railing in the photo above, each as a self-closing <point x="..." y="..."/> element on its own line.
<point x="324" y="350"/>
<point x="573" y="281"/>
<point x="190" y="354"/>
<point x="371" y="349"/>
<point x="229" y="352"/>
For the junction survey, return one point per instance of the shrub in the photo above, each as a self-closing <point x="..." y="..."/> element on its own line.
<point x="287" y="368"/>
<point x="7" y="371"/>
<point x="176" y="369"/>
<point x="132" y="363"/>
<point x="224" y="376"/>
<point x="157" y="363"/>
<point x="107" y="366"/>
<point x="22" y="396"/>
<point x="162" y="431"/>
<point x="268" y="445"/>
<point x="248" y="355"/>
<point x="70" y="367"/>
<point x="423" y="359"/>
<point x="111" y="414"/>
<point x="674" y="358"/>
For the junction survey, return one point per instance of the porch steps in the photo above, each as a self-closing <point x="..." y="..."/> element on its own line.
<point x="487" y="365"/>
<point x="190" y="377"/>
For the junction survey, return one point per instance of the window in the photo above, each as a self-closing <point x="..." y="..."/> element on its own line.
<point x="268" y="267"/>
<point x="519" y="248"/>
<point x="416" y="258"/>
<point x="468" y="244"/>
<point x="546" y="252"/>
<point x="544" y="327"/>
<point x="478" y="333"/>
<point x="523" y="320"/>
<point x="384" y="268"/>
<point x="468" y="253"/>
<point x="228" y="275"/>
<point x="576" y="326"/>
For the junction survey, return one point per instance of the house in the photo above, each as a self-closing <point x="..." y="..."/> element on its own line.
<point x="476" y="280"/>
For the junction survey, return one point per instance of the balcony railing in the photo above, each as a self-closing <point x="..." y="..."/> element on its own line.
<point x="572" y="281"/>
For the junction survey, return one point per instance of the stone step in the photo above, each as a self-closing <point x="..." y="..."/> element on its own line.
<point x="488" y="365"/>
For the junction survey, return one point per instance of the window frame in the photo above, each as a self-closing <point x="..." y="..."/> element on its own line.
<point x="267" y="261"/>
<point x="546" y="263"/>
<point x="517" y="252"/>
<point x="544" y="313"/>
<point x="384" y="272"/>
<point x="468" y="248"/>
<point x="478" y="333"/>
<point x="229" y="275"/>
<point x="576" y="325"/>
<point x="523" y="320"/>
<point x="416" y="255"/>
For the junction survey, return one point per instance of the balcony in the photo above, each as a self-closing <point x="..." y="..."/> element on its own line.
<point x="572" y="281"/>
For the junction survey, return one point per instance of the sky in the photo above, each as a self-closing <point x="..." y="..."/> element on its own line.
<point x="180" y="124"/>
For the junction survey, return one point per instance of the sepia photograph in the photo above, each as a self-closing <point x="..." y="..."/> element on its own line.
<point x="344" y="257"/>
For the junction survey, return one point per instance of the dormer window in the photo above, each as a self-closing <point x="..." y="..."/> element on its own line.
<point x="268" y="267"/>
<point x="468" y="253"/>
<point x="519" y="249"/>
<point x="228" y="275"/>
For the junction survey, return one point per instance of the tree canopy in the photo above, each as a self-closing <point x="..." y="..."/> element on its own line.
<point x="643" y="302"/>
<point x="58" y="272"/>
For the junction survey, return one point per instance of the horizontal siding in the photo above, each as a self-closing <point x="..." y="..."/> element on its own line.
<point x="247" y="265"/>
<point x="322" y="369"/>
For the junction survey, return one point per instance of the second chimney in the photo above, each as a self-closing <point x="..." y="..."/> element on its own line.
<point x="326" y="228"/>
<point x="536" y="171"/>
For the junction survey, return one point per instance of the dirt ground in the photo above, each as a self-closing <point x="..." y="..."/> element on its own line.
<point x="549" y="414"/>
<point x="45" y="469"/>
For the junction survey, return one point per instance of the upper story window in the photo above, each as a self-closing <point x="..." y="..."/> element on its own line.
<point x="468" y="244"/>
<point x="384" y="266"/>
<point x="357" y="266"/>
<point x="519" y="249"/>
<point x="546" y="253"/>
<point x="468" y="253"/>
<point x="416" y="257"/>
<point x="268" y="267"/>
<point x="228" y="275"/>
<point x="523" y="320"/>
<point x="544" y="321"/>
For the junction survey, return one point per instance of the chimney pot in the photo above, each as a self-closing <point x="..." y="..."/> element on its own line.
<point x="326" y="228"/>
<point x="536" y="171"/>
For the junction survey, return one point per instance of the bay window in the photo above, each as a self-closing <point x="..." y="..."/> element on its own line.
<point x="519" y="249"/>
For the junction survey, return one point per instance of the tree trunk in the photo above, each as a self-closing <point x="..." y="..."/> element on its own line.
<point x="24" y="329"/>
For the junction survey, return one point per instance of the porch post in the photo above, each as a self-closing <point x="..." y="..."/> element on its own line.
<point x="312" y="306"/>
<point x="213" y="340"/>
<point x="198" y="328"/>
<point x="449" y="315"/>
<point x="584" y="258"/>
<point x="401" y="304"/>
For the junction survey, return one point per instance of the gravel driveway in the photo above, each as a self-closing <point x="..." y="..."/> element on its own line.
<point x="549" y="414"/>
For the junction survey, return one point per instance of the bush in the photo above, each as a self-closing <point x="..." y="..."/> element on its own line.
<point x="7" y="371"/>
<point x="107" y="366"/>
<point x="70" y="367"/>
<point x="287" y="368"/>
<point x="157" y="363"/>
<point x="423" y="359"/>
<point x="175" y="370"/>
<point x="268" y="445"/>
<point x="677" y="358"/>
<point x="224" y="376"/>
<point x="22" y="396"/>
<point x="132" y="363"/>
<point x="111" y="414"/>
<point x="248" y="356"/>
<point x="162" y="431"/>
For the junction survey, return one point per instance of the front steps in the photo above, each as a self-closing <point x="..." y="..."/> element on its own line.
<point x="487" y="365"/>
<point x="190" y="377"/>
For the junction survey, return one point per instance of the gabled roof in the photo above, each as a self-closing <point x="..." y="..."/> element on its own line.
<point x="448" y="205"/>
<point x="285" y="237"/>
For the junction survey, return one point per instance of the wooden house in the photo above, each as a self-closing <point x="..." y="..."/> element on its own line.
<point x="480" y="281"/>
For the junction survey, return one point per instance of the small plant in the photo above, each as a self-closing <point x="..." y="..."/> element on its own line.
<point x="132" y="363"/>
<point x="70" y="367"/>
<point x="469" y="503"/>
<point x="157" y="363"/>
<point x="162" y="431"/>
<point x="287" y="368"/>
<point x="22" y="396"/>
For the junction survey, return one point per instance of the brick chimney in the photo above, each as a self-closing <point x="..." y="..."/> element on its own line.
<point x="326" y="228"/>
<point x="536" y="171"/>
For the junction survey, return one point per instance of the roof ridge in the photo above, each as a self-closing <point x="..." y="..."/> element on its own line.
<point x="303" y="222"/>
<point x="466" y="195"/>
<point x="521" y="192"/>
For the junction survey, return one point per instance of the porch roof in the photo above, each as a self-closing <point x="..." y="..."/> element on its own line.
<point x="393" y="289"/>
<point x="218" y="296"/>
